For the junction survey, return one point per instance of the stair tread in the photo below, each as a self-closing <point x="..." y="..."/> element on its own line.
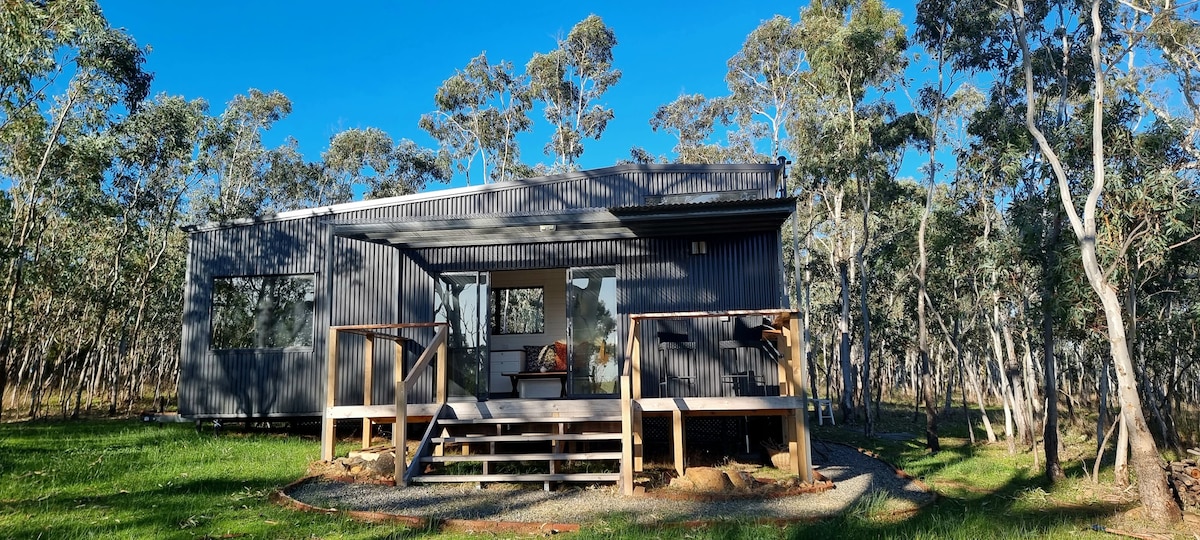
<point x="542" y="456"/>
<point x="533" y="477"/>
<point x="526" y="420"/>
<point x="531" y="437"/>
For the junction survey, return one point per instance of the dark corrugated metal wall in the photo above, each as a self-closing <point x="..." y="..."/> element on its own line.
<point x="379" y="284"/>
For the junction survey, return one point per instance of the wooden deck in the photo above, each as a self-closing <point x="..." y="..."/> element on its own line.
<point x="614" y="419"/>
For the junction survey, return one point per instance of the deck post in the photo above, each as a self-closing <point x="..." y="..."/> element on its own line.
<point x="400" y="427"/>
<point x="677" y="445"/>
<point x="327" y="423"/>
<point x="368" y="383"/>
<point x="399" y="431"/>
<point x="792" y="369"/>
<point x="626" y="437"/>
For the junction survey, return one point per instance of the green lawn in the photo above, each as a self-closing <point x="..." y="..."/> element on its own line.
<point x="125" y="479"/>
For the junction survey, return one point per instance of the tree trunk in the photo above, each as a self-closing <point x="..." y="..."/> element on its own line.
<point x="847" y="398"/>
<point x="864" y="310"/>
<point x="1147" y="463"/>
<point x="931" y="433"/>
<point x="1012" y="373"/>
<point x="987" y="422"/>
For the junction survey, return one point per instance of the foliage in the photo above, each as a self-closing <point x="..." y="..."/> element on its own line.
<point x="569" y="81"/>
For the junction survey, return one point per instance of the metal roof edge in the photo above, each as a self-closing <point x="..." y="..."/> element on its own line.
<point x="335" y="209"/>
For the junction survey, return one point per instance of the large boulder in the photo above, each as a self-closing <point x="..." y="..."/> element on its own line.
<point x="708" y="479"/>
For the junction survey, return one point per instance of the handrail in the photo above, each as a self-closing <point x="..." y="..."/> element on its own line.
<point x="436" y="348"/>
<point x="703" y="314"/>
<point x="427" y="356"/>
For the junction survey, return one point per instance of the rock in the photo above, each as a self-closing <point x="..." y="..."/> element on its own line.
<point x="383" y="464"/>
<point x="683" y="483"/>
<point x="708" y="479"/>
<point x="742" y="480"/>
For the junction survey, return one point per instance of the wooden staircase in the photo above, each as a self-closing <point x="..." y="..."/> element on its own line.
<point x="547" y="449"/>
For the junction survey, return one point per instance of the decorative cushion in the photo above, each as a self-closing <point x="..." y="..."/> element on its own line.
<point x="560" y="356"/>
<point x="540" y="358"/>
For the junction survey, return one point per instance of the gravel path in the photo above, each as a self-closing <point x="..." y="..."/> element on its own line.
<point x="854" y="474"/>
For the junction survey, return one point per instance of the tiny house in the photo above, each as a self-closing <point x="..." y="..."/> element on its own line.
<point x="544" y="292"/>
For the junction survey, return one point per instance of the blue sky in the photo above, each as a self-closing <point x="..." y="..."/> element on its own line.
<point x="376" y="64"/>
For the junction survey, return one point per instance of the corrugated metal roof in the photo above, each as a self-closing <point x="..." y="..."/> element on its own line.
<point x="337" y="209"/>
<point x="681" y="219"/>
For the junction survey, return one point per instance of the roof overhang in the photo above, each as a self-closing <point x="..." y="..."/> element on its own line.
<point x="696" y="220"/>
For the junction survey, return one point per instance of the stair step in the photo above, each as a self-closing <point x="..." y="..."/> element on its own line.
<point x="527" y="420"/>
<point x="560" y="456"/>
<point x="530" y="437"/>
<point x="537" y="477"/>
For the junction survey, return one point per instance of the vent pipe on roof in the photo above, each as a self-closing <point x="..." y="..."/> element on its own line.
<point x="782" y="162"/>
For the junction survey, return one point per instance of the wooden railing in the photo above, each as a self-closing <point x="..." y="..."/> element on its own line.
<point x="400" y="431"/>
<point x="403" y="385"/>
<point x="790" y="402"/>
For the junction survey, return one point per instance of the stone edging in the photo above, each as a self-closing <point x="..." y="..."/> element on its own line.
<point x="281" y="497"/>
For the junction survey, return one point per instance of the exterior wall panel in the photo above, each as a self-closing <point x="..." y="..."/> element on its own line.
<point x="381" y="284"/>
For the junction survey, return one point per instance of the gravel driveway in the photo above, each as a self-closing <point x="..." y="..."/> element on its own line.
<point x="854" y="474"/>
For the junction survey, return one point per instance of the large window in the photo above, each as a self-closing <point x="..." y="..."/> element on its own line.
<point x="262" y="312"/>
<point x="518" y="311"/>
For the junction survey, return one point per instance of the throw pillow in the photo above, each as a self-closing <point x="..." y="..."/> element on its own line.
<point x="537" y="359"/>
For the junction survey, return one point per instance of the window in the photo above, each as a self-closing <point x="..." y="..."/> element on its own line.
<point x="262" y="312"/>
<point x="518" y="311"/>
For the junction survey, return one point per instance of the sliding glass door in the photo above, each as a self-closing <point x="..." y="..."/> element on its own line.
<point x="592" y="330"/>
<point x="461" y="299"/>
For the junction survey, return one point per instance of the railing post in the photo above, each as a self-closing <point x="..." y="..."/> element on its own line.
<point x="635" y="357"/>
<point x="327" y="423"/>
<point x="443" y="363"/>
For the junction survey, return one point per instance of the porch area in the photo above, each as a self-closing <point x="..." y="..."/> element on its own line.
<point x="561" y="433"/>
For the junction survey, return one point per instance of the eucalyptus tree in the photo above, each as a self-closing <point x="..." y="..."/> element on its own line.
<point x="367" y="157"/>
<point x="1146" y="460"/>
<point x="66" y="77"/>
<point x="850" y="49"/>
<point x="235" y="162"/>
<point x="481" y="110"/>
<point x="693" y="119"/>
<point x="153" y="173"/>
<point x="766" y="80"/>
<point x="570" y="81"/>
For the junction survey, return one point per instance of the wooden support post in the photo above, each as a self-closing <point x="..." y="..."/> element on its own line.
<point x="626" y="437"/>
<point x="638" y="437"/>
<point x="400" y="427"/>
<point x="398" y="431"/>
<point x="368" y="383"/>
<point x="327" y="423"/>
<point x="792" y="370"/>
<point x="677" y="444"/>
<point x="443" y="366"/>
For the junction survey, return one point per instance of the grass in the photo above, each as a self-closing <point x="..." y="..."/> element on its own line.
<point x="125" y="479"/>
